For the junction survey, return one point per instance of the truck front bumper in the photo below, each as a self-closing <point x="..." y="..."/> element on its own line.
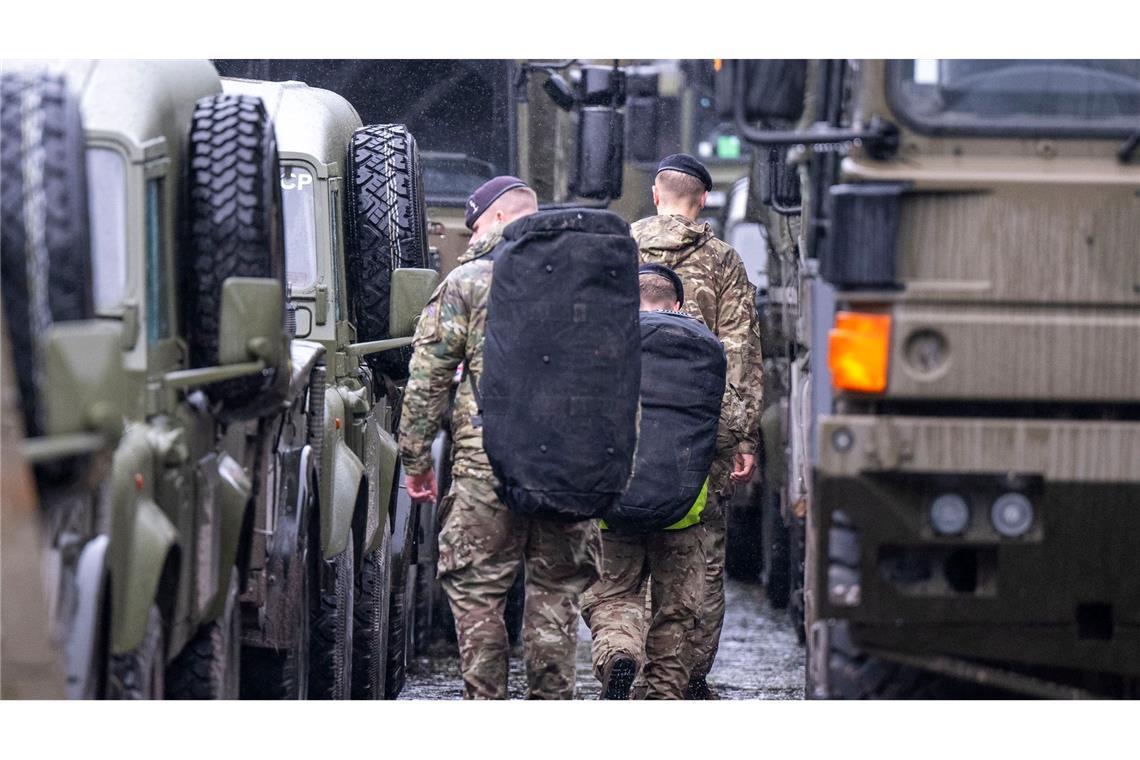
<point x="1064" y="593"/>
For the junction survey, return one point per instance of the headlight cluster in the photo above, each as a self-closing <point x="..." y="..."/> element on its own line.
<point x="1011" y="514"/>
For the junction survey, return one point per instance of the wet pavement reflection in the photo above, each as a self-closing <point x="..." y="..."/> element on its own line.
<point x="759" y="658"/>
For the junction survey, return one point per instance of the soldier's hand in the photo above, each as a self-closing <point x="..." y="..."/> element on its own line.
<point x="421" y="487"/>
<point x="742" y="467"/>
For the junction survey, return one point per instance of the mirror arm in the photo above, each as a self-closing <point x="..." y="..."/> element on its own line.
<point x="190" y="378"/>
<point x="49" y="448"/>
<point x="881" y="138"/>
<point x="376" y="346"/>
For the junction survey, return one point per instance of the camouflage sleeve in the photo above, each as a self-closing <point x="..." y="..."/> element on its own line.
<point x="439" y="346"/>
<point x="739" y="331"/>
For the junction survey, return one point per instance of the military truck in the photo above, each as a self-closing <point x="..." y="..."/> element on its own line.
<point x="356" y="266"/>
<point x="213" y="476"/>
<point x="964" y="322"/>
<point x="69" y="404"/>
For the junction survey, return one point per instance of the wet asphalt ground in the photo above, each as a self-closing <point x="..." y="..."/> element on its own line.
<point x="759" y="658"/>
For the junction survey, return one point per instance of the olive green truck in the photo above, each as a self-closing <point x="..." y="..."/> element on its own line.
<point x="217" y="493"/>
<point x="962" y="307"/>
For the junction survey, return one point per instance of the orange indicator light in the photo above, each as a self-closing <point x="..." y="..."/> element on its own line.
<point x="857" y="351"/>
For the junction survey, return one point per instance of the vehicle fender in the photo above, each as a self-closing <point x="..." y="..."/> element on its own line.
<point x="341" y="472"/>
<point x="232" y="494"/>
<point x="153" y="539"/>
<point x="84" y="637"/>
<point x="299" y="471"/>
<point x="132" y="480"/>
<point x="380" y="454"/>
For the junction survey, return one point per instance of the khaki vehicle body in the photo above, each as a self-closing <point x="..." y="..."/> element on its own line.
<point x="1010" y="367"/>
<point x="314" y="128"/>
<point x="137" y="114"/>
<point x="189" y="474"/>
<point x="353" y="429"/>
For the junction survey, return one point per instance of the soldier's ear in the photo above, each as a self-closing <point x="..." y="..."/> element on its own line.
<point x="656" y="196"/>
<point x="704" y="198"/>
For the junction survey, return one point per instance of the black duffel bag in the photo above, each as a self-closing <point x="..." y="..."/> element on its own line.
<point x="561" y="364"/>
<point x="682" y="384"/>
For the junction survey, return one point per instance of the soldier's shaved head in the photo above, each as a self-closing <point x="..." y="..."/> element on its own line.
<point x="511" y="205"/>
<point x="676" y="192"/>
<point x="657" y="293"/>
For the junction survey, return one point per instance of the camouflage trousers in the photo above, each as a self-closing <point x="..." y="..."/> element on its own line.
<point x="704" y="639"/>
<point x="671" y="564"/>
<point x="481" y="544"/>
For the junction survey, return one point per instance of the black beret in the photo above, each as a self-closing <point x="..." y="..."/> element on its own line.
<point x="667" y="273"/>
<point x="683" y="162"/>
<point x="486" y="194"/>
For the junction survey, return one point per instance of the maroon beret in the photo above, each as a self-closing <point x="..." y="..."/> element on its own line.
<point x="486" y="194"/>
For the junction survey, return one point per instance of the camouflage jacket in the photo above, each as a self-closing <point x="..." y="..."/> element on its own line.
<point x="717" y="292"/>
<point x="450" y="331"/>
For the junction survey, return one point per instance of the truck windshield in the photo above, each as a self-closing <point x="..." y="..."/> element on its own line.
<point x="459" y="111"/>
<point x="1061" y="98"/>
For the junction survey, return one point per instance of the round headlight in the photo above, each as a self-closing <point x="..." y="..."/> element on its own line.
<point x="949" y="514"/>
<point x="1012" y="515"/>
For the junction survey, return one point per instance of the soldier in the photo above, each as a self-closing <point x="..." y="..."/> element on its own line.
<point x="670" y="562"/>
<point x="481" y="543"/>
<point x="722" y="297"/>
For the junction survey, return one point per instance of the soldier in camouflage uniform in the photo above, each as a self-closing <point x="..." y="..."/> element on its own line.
<point x="669" y="564"/>
<point x="481" y="543"/>
<point x="721" y="296"/>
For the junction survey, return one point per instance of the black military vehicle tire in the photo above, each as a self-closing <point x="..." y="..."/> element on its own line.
<point x="402" y="613"/>
<point x="45" y="251"/>
<point x="234" y="224"/>
<point x="743" y="556"/>
<point x="209" y="667"/>
<point x="140" y="673"/>
<point x="387" y="229"/>
<point x="282" y="675"/>
<point x="425" y="578"/>
<point x="797" y="555"/>
<point x="370" y="622"/>
<point x="777" y="563"/>
<point x="331" y="642"/>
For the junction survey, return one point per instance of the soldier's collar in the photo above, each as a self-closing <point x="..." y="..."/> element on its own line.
<point x="483" y="245"/>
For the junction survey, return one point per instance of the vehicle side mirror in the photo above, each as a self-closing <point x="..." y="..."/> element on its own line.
<point x="773" y="89"/>
<point x="252" y="321"/>
<point x="642" y="119"/>
<point x="778" y="182"/>
<point x="601" y="134"/>
<point x="411" y="289"/>
<point x="84" y="382"/>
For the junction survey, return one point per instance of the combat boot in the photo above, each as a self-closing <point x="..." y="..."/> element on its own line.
<point x="698" y="688"/>
<point x="619" y="676"/>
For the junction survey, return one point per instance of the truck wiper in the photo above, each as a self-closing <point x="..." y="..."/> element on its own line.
<point x="1129" y="147"/>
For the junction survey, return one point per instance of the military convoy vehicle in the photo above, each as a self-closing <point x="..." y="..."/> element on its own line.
<point x="70" y="404"/>
<point x="955" y="279"/>
<point x="356" y="267"/>
<point x="247" y="520"/>
<point x="187" y="264"/>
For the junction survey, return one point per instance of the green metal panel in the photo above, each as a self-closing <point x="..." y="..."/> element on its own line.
<point x="152" y="539"/>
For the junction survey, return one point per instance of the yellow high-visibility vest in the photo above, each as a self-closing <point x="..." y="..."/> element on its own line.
<point x="692" y="517"/>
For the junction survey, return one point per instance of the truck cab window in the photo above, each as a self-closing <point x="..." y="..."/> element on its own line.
<point x="107" y="209"/>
